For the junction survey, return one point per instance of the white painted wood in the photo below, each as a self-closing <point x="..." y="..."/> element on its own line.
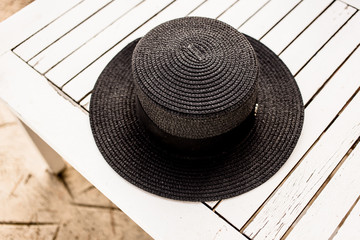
<point x="353" y="3"/>
<point x="30" y="20"/>
<point x="350" y="229"/>
<point x="242" y="11"/>
<point x="318" y="114"/>
<point x="101" y="43"/>
<point x="267" y="17"/>
<point x="80" y="35"/>
<point x="212" y="204"/>
<point x="320" y="68"/>
<point x="52" y="158"/>
<point x="57" y="124"/>
<point x="67" y="130"/>
<point x="58" y="28"/>
<point x="291" y="197"/>
<point x="321" y="220"/>
<point x="316" y="35"/>
<point x="292" y="25"/>
<point x="84" y="82"/>
<point x="212" y="8"/>
<point x="86" y="102"/>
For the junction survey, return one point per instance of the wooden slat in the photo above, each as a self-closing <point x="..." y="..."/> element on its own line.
<point x="94" y="48"/>
<point x="212" y="8"/>
<point x="80" y="35"/>
<point x="30" y="20"/>
<point x="67" y="129"/>
<point x="86" y="102"/>
<point x="291" y="197"/>
<point x="267" y="17"/>
<point x="84" y="82"/>
<point x="323" y="64"/>
<point x="241" y="11"/>
<point x="212" y="204"/>
<point x="316" y="35"/>
<point x="353" y="3"/>
<point x="58" y="28"/>
<point x="350" y="228"/>
<point x="321" y="220"/>
<point x="292" y="25"/>
<point x="318" y="114"/>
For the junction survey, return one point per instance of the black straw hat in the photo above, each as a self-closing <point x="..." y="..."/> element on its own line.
<point x="196" y="111"/>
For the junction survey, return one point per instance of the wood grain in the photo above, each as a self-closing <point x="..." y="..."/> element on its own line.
<point x="350" y="227"/>
<point x="318" y="115"/>
<point x="322" y="218"/>
<point x="318" y="50"/>
<point x="292" y="196"/>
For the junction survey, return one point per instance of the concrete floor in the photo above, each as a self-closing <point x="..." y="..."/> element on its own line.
<point x="35" y="204"/>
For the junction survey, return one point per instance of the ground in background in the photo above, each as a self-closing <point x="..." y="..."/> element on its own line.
<point x="35" y="204"/>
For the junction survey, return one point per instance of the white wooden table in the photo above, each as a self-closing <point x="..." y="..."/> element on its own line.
<point x="52" y="52"/>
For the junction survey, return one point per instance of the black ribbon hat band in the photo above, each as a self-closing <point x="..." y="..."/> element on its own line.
<point x="191" y="146"/>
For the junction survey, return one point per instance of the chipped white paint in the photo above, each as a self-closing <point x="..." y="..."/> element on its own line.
<point x="318" y="114"/>
<point x="325" y="214"/>
<point x="350" y="228"/>
<point x="287" y="202"/>
<point x="80" y="55"/>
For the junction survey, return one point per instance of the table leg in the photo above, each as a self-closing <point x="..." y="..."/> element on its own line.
<point x="52" y="158"/>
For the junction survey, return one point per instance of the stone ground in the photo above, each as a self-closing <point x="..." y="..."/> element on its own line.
<point x="35" y="204"/>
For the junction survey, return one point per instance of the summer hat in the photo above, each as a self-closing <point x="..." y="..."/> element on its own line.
<point x="196" y="111"/>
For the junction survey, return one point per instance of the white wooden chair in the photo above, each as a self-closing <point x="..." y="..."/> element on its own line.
<point x="52" y="52"/>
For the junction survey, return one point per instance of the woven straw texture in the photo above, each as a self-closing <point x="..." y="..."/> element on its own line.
<point x="252" y="159"/>
<point x="195" y="77"/>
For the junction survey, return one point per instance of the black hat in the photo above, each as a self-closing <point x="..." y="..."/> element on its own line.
<point x="196" y="111"/>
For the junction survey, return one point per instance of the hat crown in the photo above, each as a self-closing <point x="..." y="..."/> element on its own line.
<point x="195" y="77"/>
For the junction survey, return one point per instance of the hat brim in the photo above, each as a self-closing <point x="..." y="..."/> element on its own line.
<point x="129" y="150"/>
